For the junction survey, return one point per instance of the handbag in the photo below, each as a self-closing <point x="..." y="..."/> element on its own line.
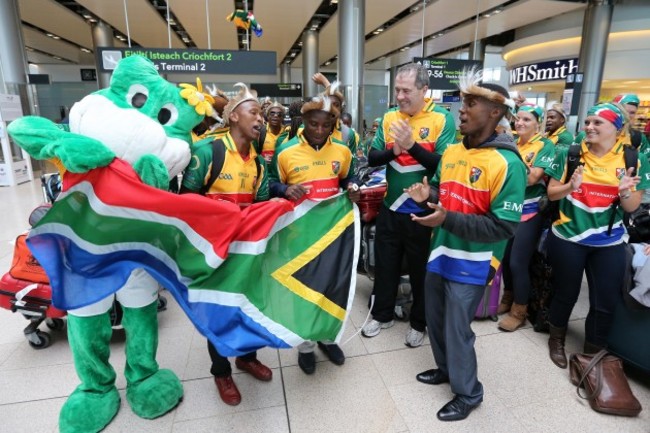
<point x="600" y="379"/>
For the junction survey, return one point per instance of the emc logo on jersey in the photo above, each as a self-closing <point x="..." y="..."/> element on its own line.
<point x="474" y="174"/>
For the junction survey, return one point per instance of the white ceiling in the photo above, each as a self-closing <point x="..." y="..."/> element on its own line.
<point x="282" y="21"/>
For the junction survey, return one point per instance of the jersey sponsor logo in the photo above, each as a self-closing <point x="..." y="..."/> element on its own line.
<point x="424" y="132"/>
<point x="336" y="166"/>
<point x="529" y="157"/>
<point x="547" y="159"/>
<point x="511" y="205"/>
<point x="444" y="192"/>
<point x="600" y="169"/>
<point x="647" y="176"/>
<point x="458" y="197"/>
<point x="450" y="165"/>
<point x="595" y="196"/>
<point x="300" y="168"/>
<point x="195" y="163"/>
<point x="224" y="176"/>
<point x="475" y="174"/>
<point x="318" y="163"/>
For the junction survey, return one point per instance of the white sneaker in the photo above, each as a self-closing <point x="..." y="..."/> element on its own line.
<point x="414" y="338"/>
<point x="374" y="327"/>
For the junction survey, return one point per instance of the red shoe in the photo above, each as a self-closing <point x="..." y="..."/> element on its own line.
<point x="258" y="370"/>
<point x="228" y="390"/>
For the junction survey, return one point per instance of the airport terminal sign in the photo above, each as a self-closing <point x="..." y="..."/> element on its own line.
<point x="544" y="71"/>
<point x="173" y="61"/>
<point x="444" y="73"/>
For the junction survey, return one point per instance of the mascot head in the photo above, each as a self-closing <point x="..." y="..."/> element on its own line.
<point x="139" y="114"/>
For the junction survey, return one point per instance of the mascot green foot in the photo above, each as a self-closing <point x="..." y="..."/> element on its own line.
<point x="96" y="401"/>
<point x="151" y="392"/>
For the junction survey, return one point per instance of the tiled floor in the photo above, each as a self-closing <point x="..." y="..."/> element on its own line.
<point x="375" y="391"/>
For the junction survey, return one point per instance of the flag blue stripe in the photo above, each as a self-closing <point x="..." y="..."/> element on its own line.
<point x="95" y="277"/>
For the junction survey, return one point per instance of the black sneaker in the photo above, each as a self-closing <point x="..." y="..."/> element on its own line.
<point x="333" y="352"/>
<point x="307" y="362"/>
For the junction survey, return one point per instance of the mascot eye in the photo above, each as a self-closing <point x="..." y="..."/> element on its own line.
<point x="137" y="95"/>
<point x="168" y="115"/>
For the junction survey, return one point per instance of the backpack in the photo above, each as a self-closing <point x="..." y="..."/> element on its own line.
<point x="635" y="138"/>
<point x="218" y="159"/>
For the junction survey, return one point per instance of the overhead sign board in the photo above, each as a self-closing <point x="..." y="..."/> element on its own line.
<point x="173" y="61"/>
<point x="544" y="71"/>
<point x="289" y="90"/>
<point x="444" y="73"/>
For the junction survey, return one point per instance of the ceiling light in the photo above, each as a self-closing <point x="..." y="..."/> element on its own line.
<point x="498" y="11"/>
<point x="381" y="58"/>
<point x="87" y="16"/>
<point x="333" y="2"/>
<point x="56" y="37"/>
<point x="85" y="50"/>
<point x="57" y="57"/>
<point x="327" y="63"/>
<point x="92" y="20"/>
<point x="171" y="21"/>
<point x="487" y="16"/>
<point x="404" y="48"/>
<point x="293" y="54"/>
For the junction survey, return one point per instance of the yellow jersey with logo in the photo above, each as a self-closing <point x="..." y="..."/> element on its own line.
<point x="237" y="181"/>
<point x="320" y="170"/>
<point x="585" y="213"/>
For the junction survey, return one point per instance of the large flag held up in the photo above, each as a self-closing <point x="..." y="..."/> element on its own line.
<point x="270" y="275"/>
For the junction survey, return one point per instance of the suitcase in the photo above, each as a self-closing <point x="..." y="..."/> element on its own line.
<point x="628" y="336"/>
<point x="490" y="300"/>
<point x="34" y="302"/>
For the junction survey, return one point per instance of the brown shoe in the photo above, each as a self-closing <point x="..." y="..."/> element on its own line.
<point x="506" y="302"/>
<point x="556" y="346"/>
<point x="515" y="319"/>
<point x="256" y="369"/>
<point x="228" y="390"/>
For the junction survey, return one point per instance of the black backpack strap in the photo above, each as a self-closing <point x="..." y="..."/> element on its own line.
<point x="635" y="138"/>
<point x="631" y="156"/>
<point x="258" y="166"/>
<point x="258" y="144"/>
<point x="218" y="159"/>
<point x="572" y="160"/>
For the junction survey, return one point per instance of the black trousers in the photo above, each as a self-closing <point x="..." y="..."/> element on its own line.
<point x="519" y="252"/>
<point x="220" y="364"/>
<point x="397" y="236"/>
<point x="604" y="267"/>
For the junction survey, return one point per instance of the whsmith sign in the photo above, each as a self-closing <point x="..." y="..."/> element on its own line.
<point x="169" y="61"/>
<point x="545" y="71"/>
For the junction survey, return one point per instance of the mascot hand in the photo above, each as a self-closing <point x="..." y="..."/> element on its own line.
<point x="152" y="171"/>
<point x="43" y="139"/>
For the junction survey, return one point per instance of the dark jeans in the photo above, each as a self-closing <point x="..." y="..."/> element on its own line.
<point x="397" y="236"/>
<point x="516" y="260"/>
<point x="604" y="267"/>
<point x="221" y="365"/>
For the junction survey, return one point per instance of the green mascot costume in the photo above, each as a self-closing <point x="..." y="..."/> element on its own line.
<point x="146" y="121"/>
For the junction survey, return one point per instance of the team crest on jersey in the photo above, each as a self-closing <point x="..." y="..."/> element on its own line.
<point x="336" y="167"/>
<point x="474" y="174"/>
<point x="424" y="132"/>
<point x="530" y="156"/>
<point x="620" y="172"/>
